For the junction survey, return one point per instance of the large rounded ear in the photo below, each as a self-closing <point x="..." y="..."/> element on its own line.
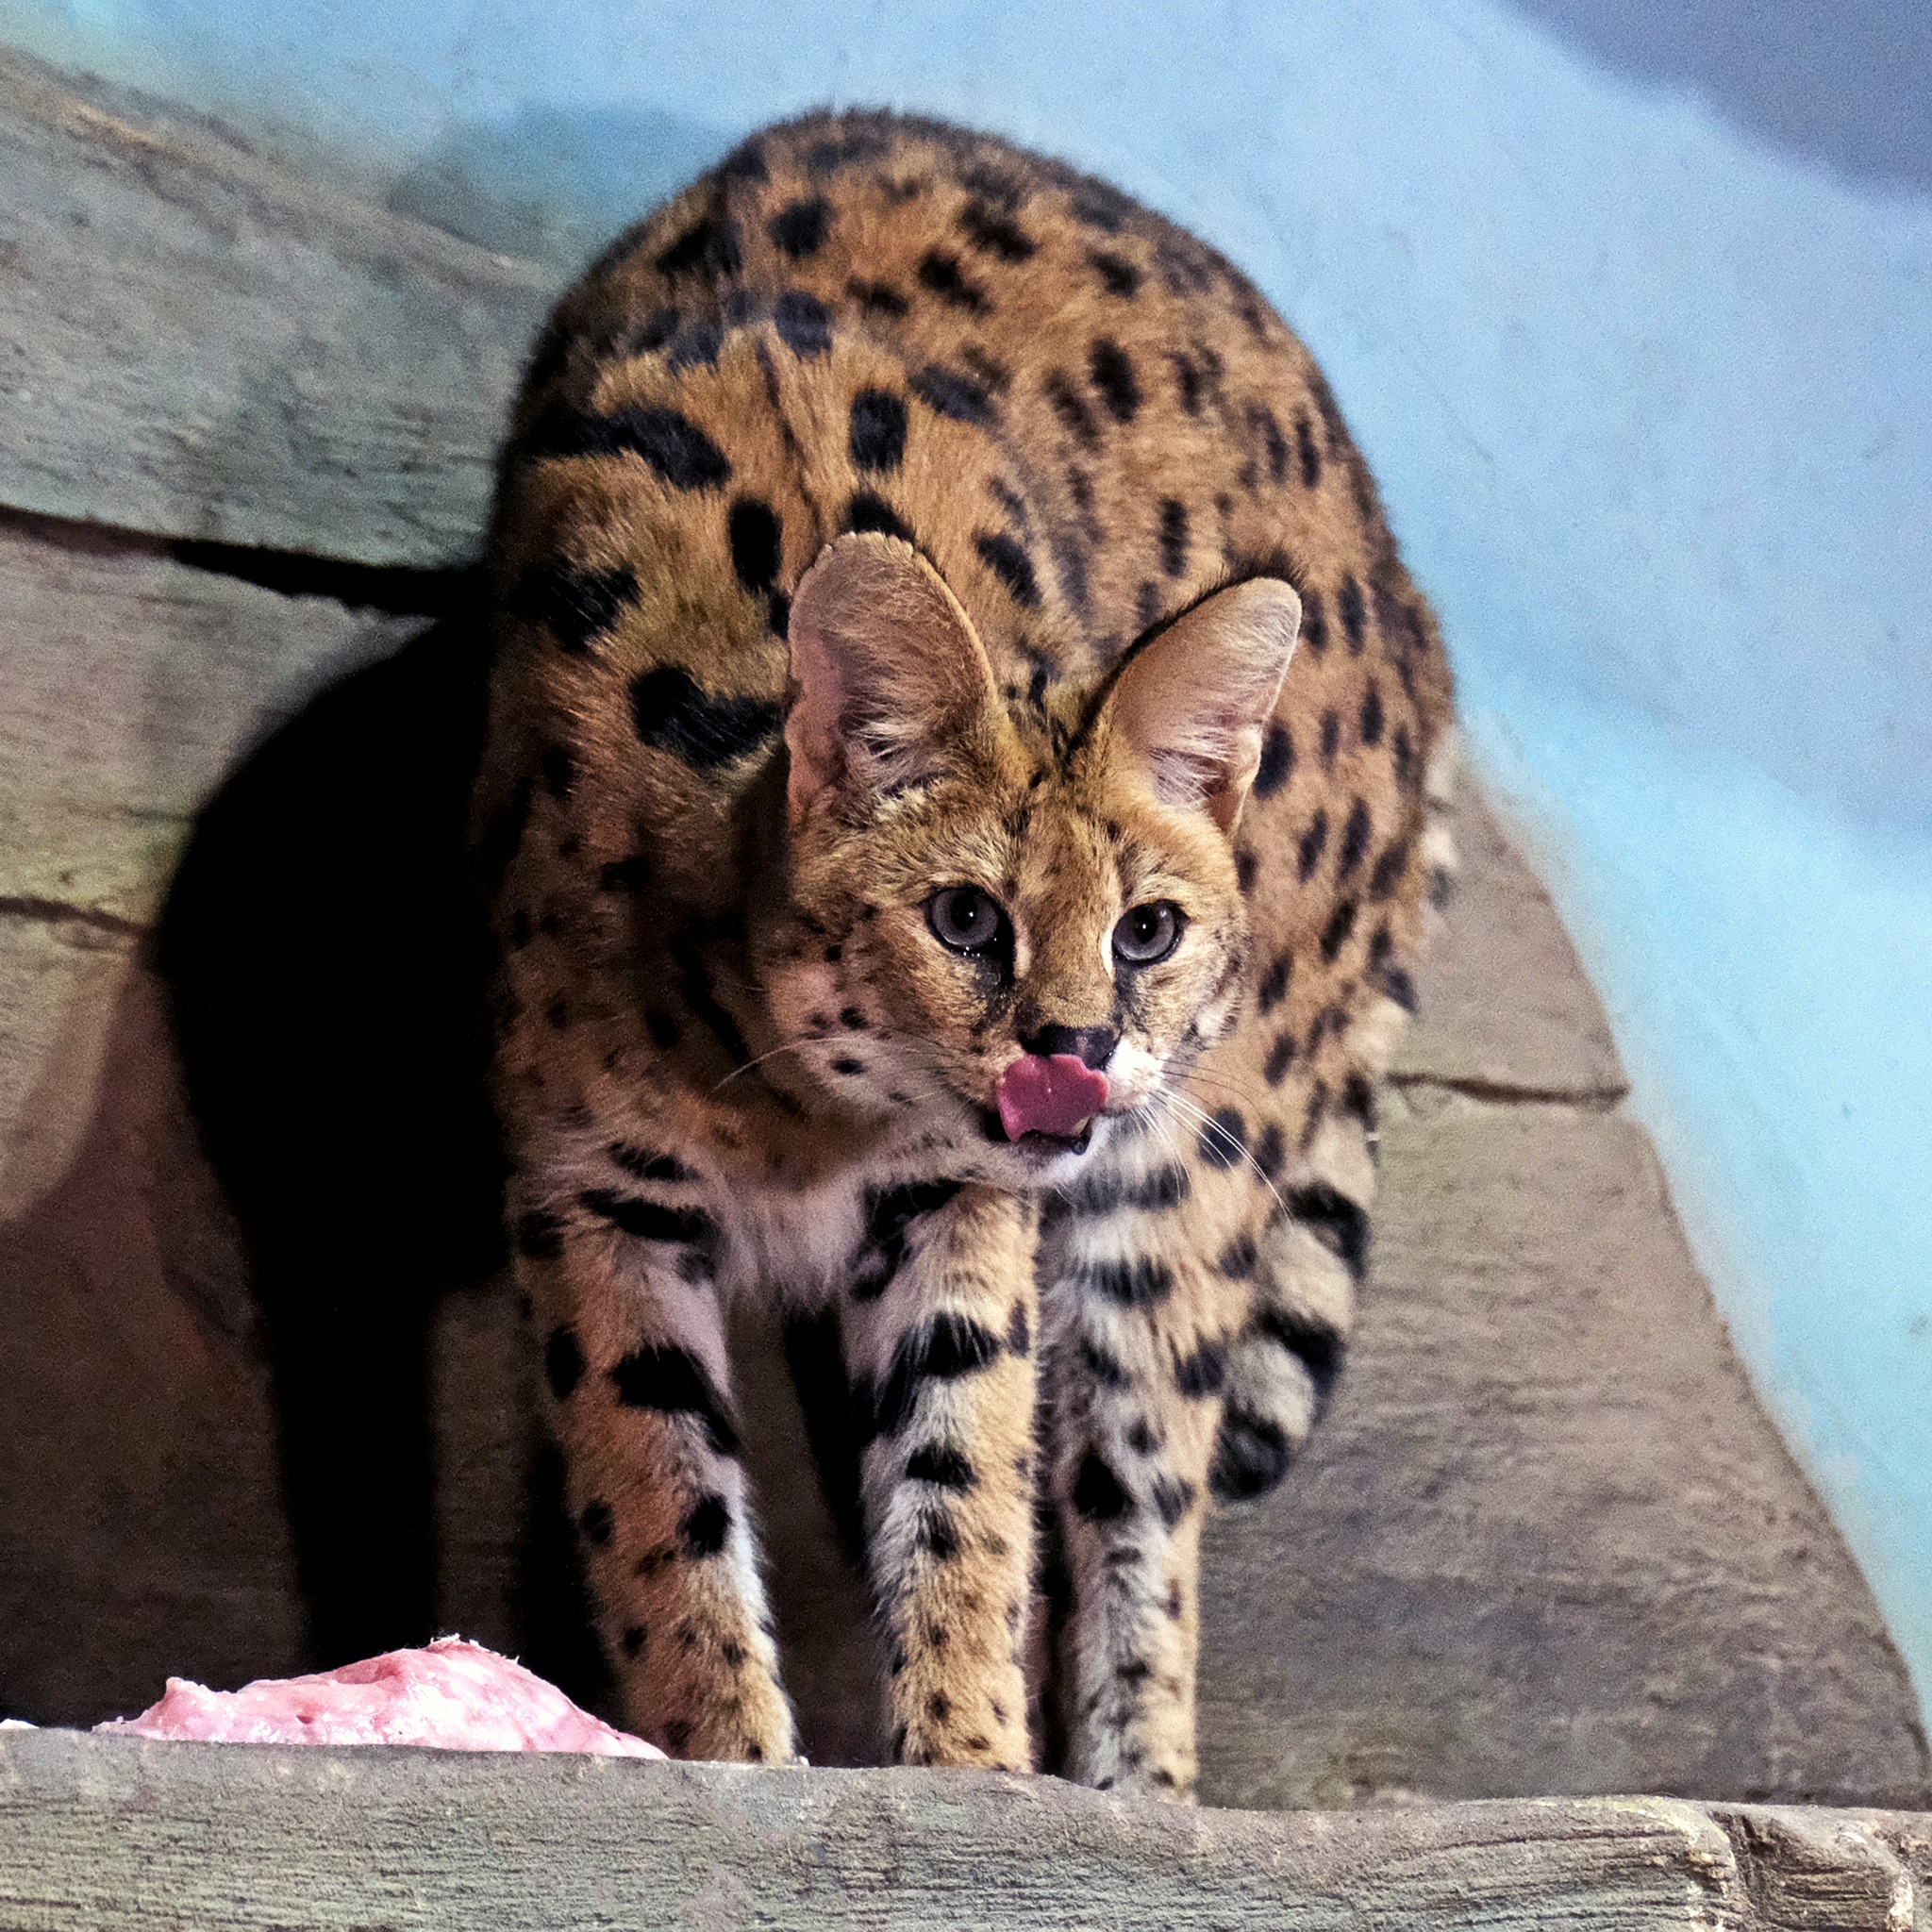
<point x="1193" y="701"/>
<point x="888" y="673"/>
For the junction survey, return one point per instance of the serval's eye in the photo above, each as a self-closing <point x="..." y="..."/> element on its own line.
<point x="966" y="920"/>
<point x="1147" y="934"/>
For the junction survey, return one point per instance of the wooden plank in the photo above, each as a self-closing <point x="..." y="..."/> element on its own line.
<point x="128" y="685"/>
<point x="198" y="343"/>
<point x="1506" y="1010"/>
<point x="113" y="1832"/>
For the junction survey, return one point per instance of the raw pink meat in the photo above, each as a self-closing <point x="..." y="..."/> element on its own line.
<point x="1054" y="1095"/>
<point x="453" y="1695"/>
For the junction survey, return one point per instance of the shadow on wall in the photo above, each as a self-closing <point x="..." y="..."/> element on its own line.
<point x="326" y="961"/>
<point x="1845" y="82"/>
<point x="554" y="184"/>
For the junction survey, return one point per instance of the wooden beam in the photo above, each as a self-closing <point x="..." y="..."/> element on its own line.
<point x="196" y="341"/>
<point x="108" y="1832"/>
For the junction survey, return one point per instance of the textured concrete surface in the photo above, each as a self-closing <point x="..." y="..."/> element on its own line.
<point x="111" y="1832"/>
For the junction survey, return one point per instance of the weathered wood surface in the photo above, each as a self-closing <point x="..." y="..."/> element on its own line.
<point x="198" y="343"/>
<point x="111" y="1832"/>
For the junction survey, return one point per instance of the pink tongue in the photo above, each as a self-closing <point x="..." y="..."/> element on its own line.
<point x="1057" y="1095"/>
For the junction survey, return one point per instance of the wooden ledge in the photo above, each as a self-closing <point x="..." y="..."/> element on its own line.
<point x="118" y="1832"/>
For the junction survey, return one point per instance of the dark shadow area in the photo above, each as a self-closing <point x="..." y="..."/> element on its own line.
<point x="1844" y="82"/>
<point x="327" y="960"/>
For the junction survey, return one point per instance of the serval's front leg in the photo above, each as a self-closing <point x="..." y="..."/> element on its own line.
<point x="634" y="1359"/>
<point x="941" y="1357"/>
<point x="1138" y="1359"/>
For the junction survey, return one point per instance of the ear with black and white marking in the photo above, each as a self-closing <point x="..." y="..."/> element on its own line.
<point x="888" y="673"/>
<point x="1194" y="703"/>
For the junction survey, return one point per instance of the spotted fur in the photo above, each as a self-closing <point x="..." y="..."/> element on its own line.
<point x="1077" y="463"/>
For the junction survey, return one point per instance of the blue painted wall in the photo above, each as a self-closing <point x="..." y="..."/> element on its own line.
<point x="1630" y="303"/>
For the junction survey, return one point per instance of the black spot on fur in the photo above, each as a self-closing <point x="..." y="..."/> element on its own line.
<point x="1336" y="1221"/>
<point x="705" y="1528"/>
<point x="1237" y="1260"/>
<point x="1224" y="1139"/>
<point x="867" y="511"/>
<point x="1354" y="614"/>
<point x="1314" y="1344"/>
<point x="574" y="605"/>
<point x="1012" y="566"/>
<point x="1389" y="870"/>
<point x="1280" y="1057"/>
<point x="996" y="233"/>
<point x="1268" y="1150"/>
<point x="1251" y="1456"/>
<point x="706" y="729"/>
<point x="1331" y="736"/>
<point x="745" y="162"/>
<point x="1134" y="1282"/>
<point x="940" y="275"/>
<point x="1372" y="716"/>
<point x="563" y="1363"/>
<point x="800" y="228"/>
<point x="879" y="298"/>
<point x="1334" y="934"/>
<point x="673" y="1381"/>
<point x="1112" y="375"/>
<point x="1204" y="1373"/>
<point x="635" y="1638"/>
<point x="1261" y="421"/>
<point x="804" y="323"/>
<point x="889" y="1213"/>
<point x="1103" y="1367"/>
<point x="755" y="543"/>
<point x="596" y="1523"/>
<point x="698" y="346"/>
<point x="669" y="441"/>
<point x="1019" y="1331"/>
<point x="707" y="247"/>
<point x="1274" y="987"/>
<point x="1304" y="445"/>
<point x="1246" y="868"/>
<point x="948" y="393"/>
<point x="650" y="335"/>
<point x="938" y="1537"/>
<point x="1278" y="761"/>
<point x="1174" y="537"/>
<point x="848" y="1067"/>
<point x="1314" y="630"/>
<point x="941" y="1348"/>
<point x="938" y="1462"/>
<point x="1096" y="205"/>
<point x="1314" y="842"/>
<point x="1187" y="376"/>
<point x="646" y="1164"/>
<point x="539" y="1236"/>
<point x="837" y="151"/>
<point x="1102" y="1192"/>
<point x="1098" y="1494"/>
<point x="878" y="439"/>
<point x="1071" y="407"/>
<point x="1356" y="835"/>
<point x="1118" y="276"/>
<point x="1173" y="1497"/>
